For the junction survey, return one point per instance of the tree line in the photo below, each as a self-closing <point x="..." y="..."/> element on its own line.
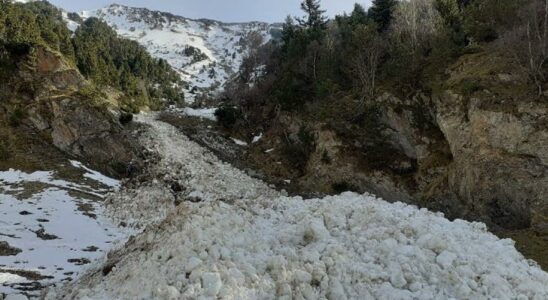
<point x="401" y="46"/>
<point x="94" y="48"/>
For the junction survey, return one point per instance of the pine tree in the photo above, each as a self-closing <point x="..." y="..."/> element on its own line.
<point x="359" y="15"/>
<point x="381" y="13"/>
<point x="288" y="31"/>
<point x="314" y="18"/>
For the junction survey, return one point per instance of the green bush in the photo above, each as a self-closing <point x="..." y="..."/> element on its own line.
<point x="485" y="20"/>
<point x="92" y="95"/>
<point x="326" y="159"/>
<point x="298" y="150"/>
<point x="468" y="88"/>
<point x="227" y="116"/>
<point x="17" y="116"/>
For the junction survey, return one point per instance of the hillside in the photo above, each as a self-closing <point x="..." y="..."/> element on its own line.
<point x="206" y="53"/>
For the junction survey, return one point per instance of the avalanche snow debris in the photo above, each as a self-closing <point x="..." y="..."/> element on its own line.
<point x="246" y="241"/>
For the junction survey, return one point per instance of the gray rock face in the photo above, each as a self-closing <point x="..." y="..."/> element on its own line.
<point x="78" y="126"/>
<point x="500" y="151"/>
<point x="90" y="133"/>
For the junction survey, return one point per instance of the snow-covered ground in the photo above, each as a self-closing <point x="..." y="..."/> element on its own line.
<point x="206" y="53"/>
<point x="52" y="226"/>
<point x="233" y="237"/>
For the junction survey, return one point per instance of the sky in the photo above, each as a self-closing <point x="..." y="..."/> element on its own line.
<point x="222" y="10"/>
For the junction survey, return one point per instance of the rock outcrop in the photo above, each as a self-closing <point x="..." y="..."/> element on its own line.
<point x="474" y="148"/>
<point x="48" y="95"/>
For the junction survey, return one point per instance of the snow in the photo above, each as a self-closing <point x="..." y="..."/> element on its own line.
<point x="94" y="175"/>
<point x="71" y="25"/>
<point x="16" y="297"/>
<point x="205" y="113"/>
<point x="257" y="138"/>
<point x="7" y="278"/>
<point x="238" y="142"/>
<point x="222" y="46"/>
<point x="243" y="240"/>
<point x="40" y="201"/>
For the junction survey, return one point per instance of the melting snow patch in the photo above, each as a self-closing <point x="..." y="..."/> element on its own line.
<point x="94" y="175"/>
<point x="56" y="224"/>
<point x="239" y="142"/>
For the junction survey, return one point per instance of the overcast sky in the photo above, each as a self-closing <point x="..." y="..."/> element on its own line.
<point x="223" y="10"/>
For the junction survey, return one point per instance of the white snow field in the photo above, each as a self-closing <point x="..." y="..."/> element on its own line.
<point x="236" y="238"/>
<point x="206" y="53"/>
<point x="56" y="225"/>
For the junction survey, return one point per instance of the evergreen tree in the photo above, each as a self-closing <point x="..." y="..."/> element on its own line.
<point x="358" y="16"/>
<point x="381" y="13"/>
<point x="314" y="18"/>
<point x="288" y="31"/>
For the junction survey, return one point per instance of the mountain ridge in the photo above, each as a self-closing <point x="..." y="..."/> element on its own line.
<point x="206" y="53"/>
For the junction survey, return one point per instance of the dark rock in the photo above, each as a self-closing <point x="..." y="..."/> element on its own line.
<point x="41" y="233"/>
<point x="125" y="118"/>
<point x="79" y="261"/>
<point x="7" y="250"/>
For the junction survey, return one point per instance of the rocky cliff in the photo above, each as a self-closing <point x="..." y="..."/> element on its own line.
<point x="47" y="96"/>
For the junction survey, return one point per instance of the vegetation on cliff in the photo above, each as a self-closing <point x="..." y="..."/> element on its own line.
<point x="402" y="46"/>
<point x="399" y="98"/>
<point x="95" y="49"/>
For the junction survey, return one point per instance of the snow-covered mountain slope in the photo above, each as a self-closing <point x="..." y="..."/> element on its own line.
<point x="216" y="233"/>
<point x="206" y="53"/>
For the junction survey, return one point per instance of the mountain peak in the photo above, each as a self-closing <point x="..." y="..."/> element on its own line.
<point x="206" y="53"/>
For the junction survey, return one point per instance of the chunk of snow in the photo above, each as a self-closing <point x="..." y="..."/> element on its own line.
<point x="211" y="283"/>
<point x="257" y="138"/>
<point x="446" y="259"/>
<point x="239" y="142"/>
<point x="269" y="150"/>
<point x="205" y="113"/>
